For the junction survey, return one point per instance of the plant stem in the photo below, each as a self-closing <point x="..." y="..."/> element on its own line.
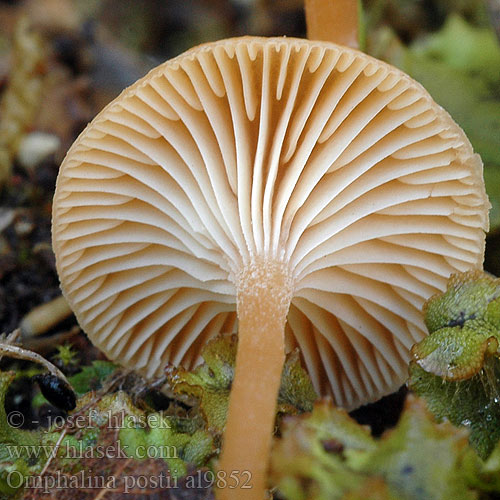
<point x="13" y="351"/>
<point x="333" y="21"/>
<point x="264" y="294"/>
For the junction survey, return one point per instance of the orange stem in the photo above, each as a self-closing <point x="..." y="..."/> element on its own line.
<point x="333" y="21"/>
<point x="264" y="294"/>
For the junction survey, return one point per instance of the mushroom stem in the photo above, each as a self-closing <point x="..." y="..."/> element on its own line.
<point x="264" y="295"/>
<point x="44" y="317"/>
<point x="333" y="21"/>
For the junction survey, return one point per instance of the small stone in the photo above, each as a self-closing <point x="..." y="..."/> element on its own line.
<point x="35" y="147"/>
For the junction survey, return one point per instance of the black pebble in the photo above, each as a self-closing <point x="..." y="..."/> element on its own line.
<point x="56" y="391"/>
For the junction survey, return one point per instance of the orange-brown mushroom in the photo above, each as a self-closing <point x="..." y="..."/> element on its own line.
<point x="300" y="193"/>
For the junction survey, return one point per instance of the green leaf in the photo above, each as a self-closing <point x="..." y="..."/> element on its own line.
<point x="464" y="47"/>
<point x="467" y="99"/>
<point x="459" y="67"/>
<point x="92" y="376"/>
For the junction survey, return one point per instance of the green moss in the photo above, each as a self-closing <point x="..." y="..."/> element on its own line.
<point x="327" y="456"/>
<point x="210" y="383"/>
<point x="457" y="368"/>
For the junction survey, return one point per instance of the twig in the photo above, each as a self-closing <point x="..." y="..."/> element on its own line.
<point x="52" y="455"/>
<point x="19" y="353"/>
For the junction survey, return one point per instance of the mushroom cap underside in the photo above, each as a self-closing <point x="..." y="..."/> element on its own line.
<point x="311" y="154"/>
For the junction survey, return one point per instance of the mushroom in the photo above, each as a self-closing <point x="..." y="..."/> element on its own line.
<point x="333" y="21"/>
<point x="301" y="193"/>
